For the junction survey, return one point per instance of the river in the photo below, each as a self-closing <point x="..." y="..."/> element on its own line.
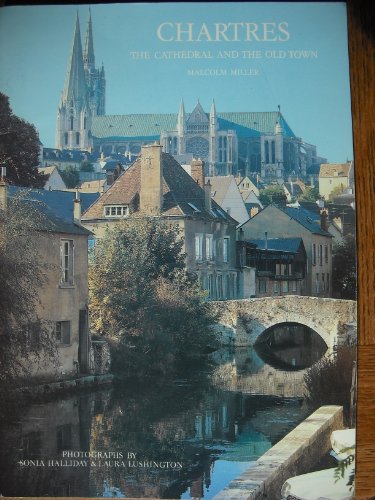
<point x="176" y="439"/>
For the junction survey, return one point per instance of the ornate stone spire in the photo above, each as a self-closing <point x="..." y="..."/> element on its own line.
<point x="75" y="83"/>
<point x="88" y="53"/>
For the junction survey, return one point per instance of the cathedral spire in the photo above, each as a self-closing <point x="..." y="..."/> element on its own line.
<point x="75" y="83"/>
<point x="88" y="53"/>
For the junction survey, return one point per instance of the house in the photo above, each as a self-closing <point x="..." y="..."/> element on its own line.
<point x="246" y="185"/>
<point x="63" y="299"/>
<point x="225" y="192"/>
<point x="335" y="178"/>
<point x="279" y="263"/>
<point x="155" y="184"/>
<point x="293" y="189"/>
<point x="341" y="218"/>
<point x="54" y="181"/>
<point x="288" y="222"/>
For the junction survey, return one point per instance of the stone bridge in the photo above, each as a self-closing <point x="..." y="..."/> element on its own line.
<point x="243" y="321"/>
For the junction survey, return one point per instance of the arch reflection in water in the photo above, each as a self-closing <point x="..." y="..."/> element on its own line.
<point x="290" y="346"/>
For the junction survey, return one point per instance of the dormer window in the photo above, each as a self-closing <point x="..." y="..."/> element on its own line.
<point x="116" y="211"/>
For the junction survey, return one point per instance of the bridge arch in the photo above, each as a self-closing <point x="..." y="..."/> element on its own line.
<point x="243" y="321"/>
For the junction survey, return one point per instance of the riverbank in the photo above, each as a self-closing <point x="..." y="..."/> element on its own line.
<point x="295" y="454"/>
<point x="66" y="385"/>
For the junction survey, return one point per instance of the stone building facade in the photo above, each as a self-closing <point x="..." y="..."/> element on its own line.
<point x="156" y="185"/>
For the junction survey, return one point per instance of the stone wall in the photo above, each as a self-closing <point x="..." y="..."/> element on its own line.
<point x="295" y="454"/>
<point x="242" y="321"/>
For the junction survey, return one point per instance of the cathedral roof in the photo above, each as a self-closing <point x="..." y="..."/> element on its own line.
<point x="150" y="126"/>
<point x="181" y="194"/>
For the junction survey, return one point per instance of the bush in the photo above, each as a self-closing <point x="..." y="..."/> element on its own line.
<point x="329" y="381"/>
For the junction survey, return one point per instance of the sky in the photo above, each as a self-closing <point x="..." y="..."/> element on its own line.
<point x="290" y="54"/>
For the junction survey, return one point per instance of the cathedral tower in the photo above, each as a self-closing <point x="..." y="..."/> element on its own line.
<point x="83" y="96"/>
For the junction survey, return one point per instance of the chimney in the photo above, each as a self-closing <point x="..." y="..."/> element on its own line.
<point x="151" y="192"/>
<point x="207" y="196"/>
<point x="324" y="220"/>
<point x="197" y="171"/>
<point x="3" y="189"/>
<point x="77" y="209"/>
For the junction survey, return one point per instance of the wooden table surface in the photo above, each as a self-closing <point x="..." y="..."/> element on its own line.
<point x="361" y="23"/>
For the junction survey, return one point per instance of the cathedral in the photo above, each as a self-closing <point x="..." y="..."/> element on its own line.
<point x="242" y="143"/>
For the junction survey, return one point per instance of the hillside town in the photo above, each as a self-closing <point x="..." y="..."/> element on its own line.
<point x="255" y="212"/>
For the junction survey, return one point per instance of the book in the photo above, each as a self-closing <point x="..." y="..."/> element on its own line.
<point x="218" y="313"/>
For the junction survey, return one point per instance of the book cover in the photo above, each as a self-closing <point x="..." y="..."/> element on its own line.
<point x="178" y="255"/>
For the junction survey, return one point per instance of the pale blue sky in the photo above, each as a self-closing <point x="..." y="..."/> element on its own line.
<point x="313" y="93"/>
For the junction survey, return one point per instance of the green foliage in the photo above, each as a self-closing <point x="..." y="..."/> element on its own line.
<point x="310" y="194"/>
<point x="143" y="300"/>
<point x="70" y="176"/>
<point x="22" y="274"/>
<point x="272" y="194"/>
<point x="19" y="148"/>
<point x="344" y="269"/>
<point x="329" y="381"/>
<point x="87" y="166"/>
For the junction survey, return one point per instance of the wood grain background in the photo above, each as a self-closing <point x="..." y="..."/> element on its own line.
<point x="361" y="24"/>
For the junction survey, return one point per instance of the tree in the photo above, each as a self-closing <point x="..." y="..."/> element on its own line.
<point x="143" y="300"/>
<point x="310" y="194"/>
<point x="344" y="269"/>
<point x="87" y="166"/>
<point x="273" y="194"/>
<point x="22" y="272"/>
<point x="19" y="148"/>
<point x="70" y="176"/>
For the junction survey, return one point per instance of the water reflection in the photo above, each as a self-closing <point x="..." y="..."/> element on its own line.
<point x="175" y="440"/>
<point x="290" y="346"/>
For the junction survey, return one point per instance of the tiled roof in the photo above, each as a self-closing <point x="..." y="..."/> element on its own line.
<point x="334" y="169"/>
<point x="150" y="126"/>
<point x="293" y="188"/>
<point x="47" y="170"/>
<point x="180" y="193"/>
<point x="306" y="218"/>
<point x="220" y="185"/>
<point x="66" y="155"/>
<point x="56" y="205"/>
<point x="281" y="244"/>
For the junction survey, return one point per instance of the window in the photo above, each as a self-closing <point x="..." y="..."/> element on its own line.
<point x="220" y="287"/>
<point x="66" y="262"/>
<point x="211" y="290"/>
<point x="326" y="254"/>
<point x="293" y="286"/>
<point x="323" y="283"/>
<point x="209" y="247"/>
<point x="116" y="210"/>
<point x="313" y="254"/>
<point x="262" y="286"/>
<point x="320" y="254"/>
<point x="276" y="288"/>
<point x="327" y="282"/>
<point x="317" y="283"/>
<point x="66" y="138"/>
<point x="77" y="138"/>
<point x="285" y="288"/>
<point x="198" y="247"/>
<point x="62" y="332"/>
<point x="226" y="250"/>
<point x="71" y="123"/>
